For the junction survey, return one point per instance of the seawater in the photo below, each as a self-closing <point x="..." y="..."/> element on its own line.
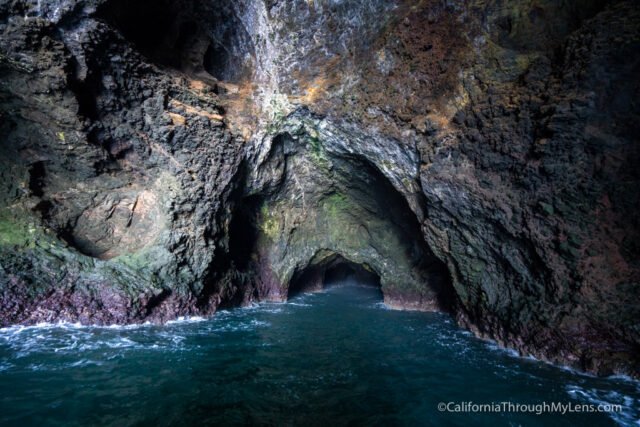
<point x="333" y="358"/>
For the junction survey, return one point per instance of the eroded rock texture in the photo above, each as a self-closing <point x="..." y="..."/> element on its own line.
<point x="164" y="158"/>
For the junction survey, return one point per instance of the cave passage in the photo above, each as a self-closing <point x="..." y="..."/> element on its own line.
<point x="333" y="270"/>
<point x="342" y="271"/>
<point x="318" y="217"/>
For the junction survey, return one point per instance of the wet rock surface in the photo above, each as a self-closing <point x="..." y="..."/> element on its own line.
<point x="173" y="157"/>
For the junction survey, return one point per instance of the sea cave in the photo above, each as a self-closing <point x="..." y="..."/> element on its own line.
<point x="319" y="211"/>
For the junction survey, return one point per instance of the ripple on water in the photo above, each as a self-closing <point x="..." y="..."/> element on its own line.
<point x="334" y="346"/>
<point x="630" y="413"/>
<point x="298" y="304"/>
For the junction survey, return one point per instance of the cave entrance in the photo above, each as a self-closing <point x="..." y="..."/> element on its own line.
<point x="342" y="271"/>
<point x="314" y="218"/>
<point x="243" y="232"/>
<point x="334" y="270"/>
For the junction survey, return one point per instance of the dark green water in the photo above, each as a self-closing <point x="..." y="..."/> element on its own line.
<point x="334" y="358"/>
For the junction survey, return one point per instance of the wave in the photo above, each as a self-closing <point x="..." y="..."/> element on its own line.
<point x="16" y="329"/>
<point x="298" y="304"/>
<point x="187" y="320"/>
<point x="629" y="415"/>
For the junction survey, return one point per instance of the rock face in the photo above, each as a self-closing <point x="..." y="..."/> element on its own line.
<point x="116" y="174"/>
<point x="166" y="158"/>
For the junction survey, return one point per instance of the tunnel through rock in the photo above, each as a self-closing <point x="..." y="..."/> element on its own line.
<point x="332" y="270"/>
<point x="344" y="271"/>
<point x="312" y="215"/>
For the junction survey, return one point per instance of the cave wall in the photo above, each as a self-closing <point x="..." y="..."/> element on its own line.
<point x="544" y="144"/>
<point x="211" y="155"/>
<point x="115" y="172"/>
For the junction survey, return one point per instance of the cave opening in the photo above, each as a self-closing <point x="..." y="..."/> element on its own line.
<point x="37" y="175"/>
<point x="216" y="61"/>
<point x="342" y="271"/>
<point x="317" y="218"/>
<point x="229" y="53"/>
<point x="333" y="270"/>
<point x="244" y="232"/>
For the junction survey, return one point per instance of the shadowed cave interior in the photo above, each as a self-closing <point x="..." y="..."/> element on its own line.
<point x="172" y="34"/>
<point x="322" y="216"/>
<point x="333" y="270"/>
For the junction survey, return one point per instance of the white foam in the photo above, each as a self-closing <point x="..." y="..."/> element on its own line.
<point x="17" y="329"/>
<point x="629" y="414"/>
<point x="382" y="305"/>
<point x="494" y="346"/>
<point x="123" y="327"/>
<point x="187" y="319"/>
<point x="298" y="304"/>
<point x="251" y="306"/>
<point x="259" y="323"/>
<point x="37" y="367"/>
<point x="84" y="362"/>
<point x="272" y="310"/>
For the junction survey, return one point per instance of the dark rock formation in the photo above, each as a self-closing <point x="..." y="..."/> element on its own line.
<point x="165" y="158"/>
<point x="116" y="174"/>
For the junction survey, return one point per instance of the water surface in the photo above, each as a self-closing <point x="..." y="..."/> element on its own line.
<point x="332" y="358"/>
